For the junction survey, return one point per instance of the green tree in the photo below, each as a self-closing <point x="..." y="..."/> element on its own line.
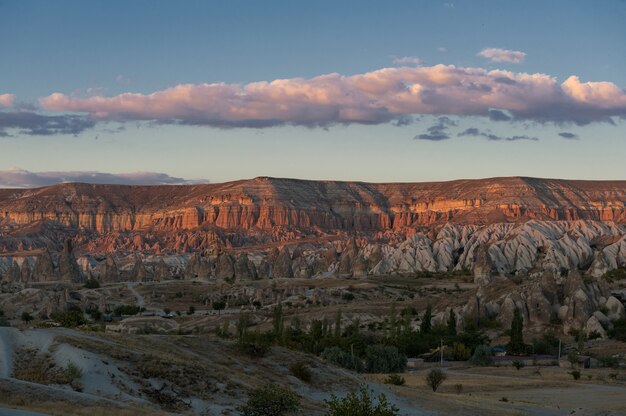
<point x="426" y="326"/>
<point x="434" y="378"/>
<point x="360" y="403"/>
<point x="270" y="400"/>
<point x="242" y="326"/>
<point x="452" y="323"/>
<point x="384" y="359"/>
<point x="516" y="344"/>
<point x="277" y="321"/>
<point x="338" y="324"/>
<point x="219" y="305"/>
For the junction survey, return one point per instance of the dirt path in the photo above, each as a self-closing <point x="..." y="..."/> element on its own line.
<point x="138" y="298"/>
<point x="6" y="352"/>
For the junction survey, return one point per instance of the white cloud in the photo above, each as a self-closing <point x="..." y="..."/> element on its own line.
<point x="20" y="178"/>
<point x="407" y="60"/>
<point x="503" y="55"/>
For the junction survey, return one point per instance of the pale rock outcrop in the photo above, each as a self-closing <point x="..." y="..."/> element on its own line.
<point x="68" y="268"/>
<point x="539" y="308"/>
<point x="615" y="309"/>
<point x="139" y="273"/>
<point x="245" y="268"/>
<point x="282" y="265"/>
<point x="198" y="267"/>
<point x="225" y="267"/>
<point x="25" y="272"/>
<point x="108" y="271"/>
<point x="593" y="325"/>
<point x="162" y="271"/>
<point x="43" y="271"/>
<point x="603" y="319"/>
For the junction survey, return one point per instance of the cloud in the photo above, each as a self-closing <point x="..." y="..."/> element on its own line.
<point x="407" y="60"/>
<point x="503" y="55"/>
<point x="499" y="115"/>
<point x="473" y="131"/>
<point x="122" y="80"/>
<point x="34" y="124"/>
<point x="568" y="135"/>
<point x="442" y="49"/>
<point x="438" y="131"/>
<point x="374" y="97"/>
<point x="20" y="178"/>
<point x="6" y="100"/>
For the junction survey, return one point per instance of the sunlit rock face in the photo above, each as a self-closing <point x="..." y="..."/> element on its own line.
<point x="250" y="229"/>
<point x="266" y="203"/>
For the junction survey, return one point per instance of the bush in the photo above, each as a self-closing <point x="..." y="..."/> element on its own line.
<point x="73" y="372"/>
<point x="395" y="379"/>
<point x="618" y="331"/>
<point x="270" y="400"/>
<point x="126" y="310"/>
<point x="575" y="374"/>
<point x="360" y="403"/>
<point x="384" y="359"/>
<point x="26" y="317"/>
<point x="342" y="358"/>
<point x="301" y="371"/>
<point x="482" y="356"/>
<point x="609" y="361"/>
<point x="434" y="379"/>
<point x="254" y="348"/>
<point x="92" y="284"/>
<point x="70" y="319"/>
<point x="347" y="296"/>
<point x="518" y="364"/>
<point x="191" y="310"/>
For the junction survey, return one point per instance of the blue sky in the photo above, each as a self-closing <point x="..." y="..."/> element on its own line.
<point x="87" y="49"/>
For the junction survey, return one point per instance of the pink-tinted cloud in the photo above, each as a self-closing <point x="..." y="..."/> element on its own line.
<point x="20" y="178"/>
<point x="6" y="100"/>
<point x="370" y="98"/>
<point x="503" y="55"/>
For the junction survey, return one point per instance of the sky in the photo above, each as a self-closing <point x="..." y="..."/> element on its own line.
<point x="165" y="92"/>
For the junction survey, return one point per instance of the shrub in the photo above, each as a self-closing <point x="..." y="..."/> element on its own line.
<point x="618" y="331"/>
<point x="347" y="296"/>
<point x="518" y="364"/>
<point x="609" y="361"/>
<point x="360" y="403"/>
<point x="342" y="358"/>
<point x="254" y="348"/>
<point x="384" y="359"/>
<point x="482" y="356"/>
<point x="26" y="317"/>
<point x="70" y="319"/>
<point x="73" y="372"/>
<point x="575" y="374"/>
<point x="395" y="379"/>
<point x="126" y="310"/>
<point x="92" y="284"/>
<point x="458" y="388"/>
<point x="301" y="371"/>
<point x="270" y="400"/>
<point x="434" y="378"/>
<point x="218" y="305"/>
<point x="191" y="310"/>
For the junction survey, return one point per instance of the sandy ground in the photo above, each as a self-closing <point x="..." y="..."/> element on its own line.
<point x="506" y="391"/>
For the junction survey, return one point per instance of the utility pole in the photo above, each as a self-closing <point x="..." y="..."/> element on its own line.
<point x="559" y="351"/>
<point x="441" y="353"/>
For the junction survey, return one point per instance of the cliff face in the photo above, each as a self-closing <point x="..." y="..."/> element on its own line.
<point x="266" y="203"/>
